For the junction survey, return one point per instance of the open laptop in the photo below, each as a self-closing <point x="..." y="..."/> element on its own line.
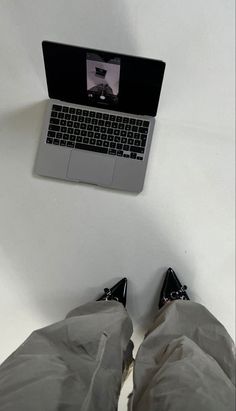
<point x="100" y="116"/>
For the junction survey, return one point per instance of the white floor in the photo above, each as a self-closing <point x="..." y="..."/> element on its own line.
<point x="61" y="243"/>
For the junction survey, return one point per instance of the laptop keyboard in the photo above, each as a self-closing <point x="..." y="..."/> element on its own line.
<point x="99" y="132"/>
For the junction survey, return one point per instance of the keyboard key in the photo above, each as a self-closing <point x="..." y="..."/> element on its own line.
<point x="72" y="110"/>
<point x="119" y="146"/>
<point x="143" y="140"/>
<point x="112" y="152"/>
<point x="134" y="129"/>
<point x="137" y="149"/>
<point x="49" y="140"/>
<point x="133" y="155"/>
<point x="92" y="141"/>
<point x="79" y="139"/>
<point x="130" y="141"/>
<point x="80" y="119"/>
<point x="70" y="144"/>
<point x="65" y="109"/>
<point x="59" y="135"/>
<point x="126" y="155"/>
<point x="72" y="138"/>
<point x="117" y="139"/>
<point x="85" y="113"/>
<point x="64" y="129"/>
<point x="114" y="125"/>
<point x="65" y="136"/>
<point x="70" y="130"/>
<point x="56" y="141"/>
<point x="87" y="120"/>
<point x="76" y="125"/>
<point x="83" y="133"/>
<point x="90" y="134"/>
<point x="56" y="107"/>
<point x="113" y="145"/>
<point x="91" y="148"/>
<point x="125" y="120"/>
<point x="101" y="122"/>
<point x="54" y="121"/>
<point x="126" y="147"/>
<point x="78" y="111"/>
<point x="74" y="118"/>
<point x="103" y="130"/>
<point x="99" y="142"/>
<point x="53" y="114"/>
<point x="119" y="153"/>
<point x="124" y="140"/>
<point x="110" y="130"/>
<point x="137" y="142"/>
<point x="112" y="118"/>
<point x="105" y="116"/>
<point x="98" y="115"/>
<point x="130" y="134"/>
<point x="77" y="132"/>
<point x="139" y="158"/>
<point x="121" y="126"/>
<point x="105" y="144"/>
<point x="51" y="134"/>
<point x="53" y="128"/>
<point x="128" y="127"/>
<point x="63" y="122"/>
<point x="61" y="115"/>
<point x="85" y="140"/>
<point x="62" y="143"/>
<point x="146" y="124"/>
<point x="110" y="138"/>
<point x="91" y="114"/>
<point x="94" y="121"/>
<point x="67" y="116"/>
<point x="97" y="135"/>
<point x="116" y="132"/>
<point x="139" y="122"/>
<point x="143" y="130"/>
<point x="118" y="119"/>
<point x="103" y="136"/>
<point x="131" y="121"/>
<point x="83" y="126"/>
<point x="123" y="133"/>
<point x="90" y="127"/>
<point x="96" y="128"/>
<point x="107" y="123"/>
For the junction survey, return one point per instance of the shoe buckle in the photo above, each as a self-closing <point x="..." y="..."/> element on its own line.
<point x="108" y="293"/>
<point x="178" y="294"/>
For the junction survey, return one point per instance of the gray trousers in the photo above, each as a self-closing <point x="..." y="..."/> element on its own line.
<point x="186" y="362"/>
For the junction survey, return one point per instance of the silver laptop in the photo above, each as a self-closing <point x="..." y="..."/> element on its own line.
<point x="100" y="116"/>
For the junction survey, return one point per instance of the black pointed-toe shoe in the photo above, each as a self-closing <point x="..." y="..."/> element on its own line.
<point x="117" y="293"/>
<point x="172" y="289"/>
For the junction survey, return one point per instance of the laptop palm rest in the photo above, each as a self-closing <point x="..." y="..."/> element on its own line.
<point x="91" y="167"/>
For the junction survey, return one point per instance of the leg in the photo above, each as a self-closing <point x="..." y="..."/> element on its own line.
<point x="186" y="362"/>
<point x="75" y="364"/>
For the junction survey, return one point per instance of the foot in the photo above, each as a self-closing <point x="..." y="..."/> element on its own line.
<point x="117" y="293"/>
<point x="172" y="289"/>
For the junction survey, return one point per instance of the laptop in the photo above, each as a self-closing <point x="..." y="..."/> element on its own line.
<point x="100" y="116"/>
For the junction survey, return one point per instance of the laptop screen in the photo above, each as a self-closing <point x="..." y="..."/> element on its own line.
<point x="102" y="79"/>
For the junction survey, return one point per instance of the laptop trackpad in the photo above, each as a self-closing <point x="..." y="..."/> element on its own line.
<point x="91" y="167"/>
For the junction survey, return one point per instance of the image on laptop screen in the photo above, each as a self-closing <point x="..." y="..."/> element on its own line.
<point x="103" y="79"/>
